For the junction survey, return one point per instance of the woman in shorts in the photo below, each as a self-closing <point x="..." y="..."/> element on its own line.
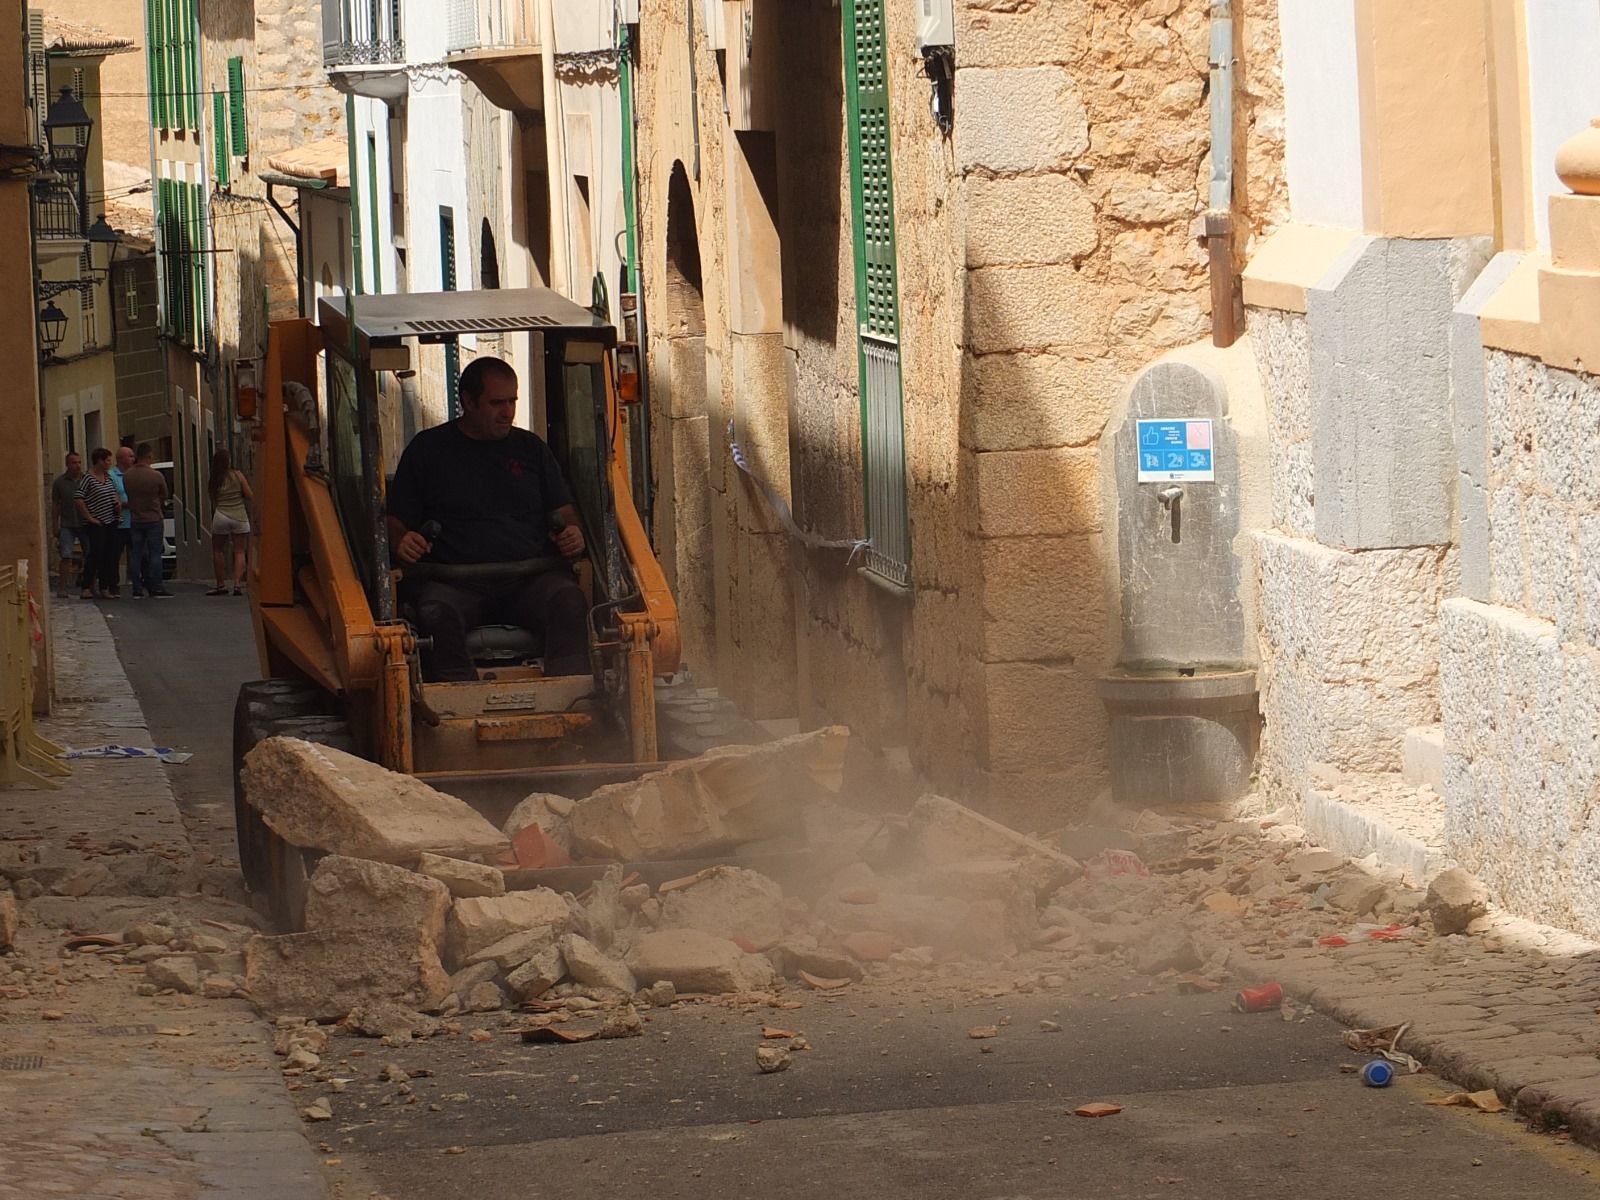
<point x="230" y="520"/>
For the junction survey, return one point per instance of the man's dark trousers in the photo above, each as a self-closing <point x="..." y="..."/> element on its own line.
<point x="552" y="602"/>
<point x="144" y="556"/>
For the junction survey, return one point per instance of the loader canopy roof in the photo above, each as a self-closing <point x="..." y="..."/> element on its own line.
<point x="442" y="316"/>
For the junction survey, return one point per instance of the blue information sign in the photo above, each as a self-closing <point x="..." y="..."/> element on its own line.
<point x="1175" y="452"/>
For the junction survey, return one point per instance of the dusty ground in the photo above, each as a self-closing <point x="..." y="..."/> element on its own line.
<point x="169" y="1095"/>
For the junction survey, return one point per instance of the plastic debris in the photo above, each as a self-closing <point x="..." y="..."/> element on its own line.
<point x="1097" y="1109"/>
<point x="1485" y="1101"/>
<point x="1385" y="1042"/>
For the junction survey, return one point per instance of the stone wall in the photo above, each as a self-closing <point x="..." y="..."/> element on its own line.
<point x="1083" y="147"/>
<point x="1522" y="675"/>
<point x="288" y="102"/>
<point x="123" y="129"/>
<point x="1046" y="253"/>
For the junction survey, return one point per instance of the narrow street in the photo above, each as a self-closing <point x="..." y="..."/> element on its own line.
<point x="186" y="658"/>
<point x="867" y="599"/>
<point x="893" y="1098"/>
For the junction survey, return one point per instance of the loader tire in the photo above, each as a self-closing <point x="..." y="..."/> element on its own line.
<point x="274" y="708"/>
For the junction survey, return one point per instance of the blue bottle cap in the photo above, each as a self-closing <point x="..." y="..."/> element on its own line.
<point x="1377" y="1073"/>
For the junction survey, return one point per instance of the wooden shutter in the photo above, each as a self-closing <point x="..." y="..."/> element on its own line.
<point x="877" y="291"/>
<point x="447" y="283"/>
<point x="219" y="138"/>
<point x="239" y="129"/>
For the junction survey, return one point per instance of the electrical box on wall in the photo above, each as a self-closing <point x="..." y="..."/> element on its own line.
<point x="936" y="23"/>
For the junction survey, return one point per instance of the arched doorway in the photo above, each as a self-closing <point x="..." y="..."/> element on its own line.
<point x="681" y="435"/>
<point x="488" y="258"/>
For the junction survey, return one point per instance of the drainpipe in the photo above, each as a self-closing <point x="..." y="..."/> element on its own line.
<point x="555" y="157"/>
<point x="694" y="86"/>
<point x="358" y="283"/>
<point x="1219" y="214"/>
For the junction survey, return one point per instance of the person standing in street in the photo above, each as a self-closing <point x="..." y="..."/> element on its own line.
<point x="230" y="519"/>
<point x="147" y="495"/>
<point x="123" y="533"/>
<point x="99" y="509"/>
<point x="71" y="541"/>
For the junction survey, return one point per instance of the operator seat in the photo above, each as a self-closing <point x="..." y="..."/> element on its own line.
<point x="503" y="645"/>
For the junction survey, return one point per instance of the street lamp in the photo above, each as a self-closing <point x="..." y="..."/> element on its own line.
<point x="52" y="328"/>
<point x="101" y="234"/>
<point x="66" y="127"/>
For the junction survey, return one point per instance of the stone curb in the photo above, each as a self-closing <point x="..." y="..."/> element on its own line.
<point x="257" y="1147"/>
<point x="1522" y="1024"/>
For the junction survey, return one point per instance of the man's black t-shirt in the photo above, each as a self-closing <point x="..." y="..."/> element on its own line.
<point x="492" y="499"/>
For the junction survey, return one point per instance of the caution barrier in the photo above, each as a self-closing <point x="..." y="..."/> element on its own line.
<point x="25" y="757"/>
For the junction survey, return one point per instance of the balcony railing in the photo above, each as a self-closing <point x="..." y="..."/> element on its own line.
<point x="360" y="33"/>
<point x="490" y="25"/>
<point x="55" y="213"/>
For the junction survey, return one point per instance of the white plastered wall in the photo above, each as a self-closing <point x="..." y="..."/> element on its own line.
<point x="1563" y="89"/>
<point x="1322" y="111"/>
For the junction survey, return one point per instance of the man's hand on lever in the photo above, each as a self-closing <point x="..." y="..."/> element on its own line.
<point x="565" y="531"/>
<point x="411" y="545"/>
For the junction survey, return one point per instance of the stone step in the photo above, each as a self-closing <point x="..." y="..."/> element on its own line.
<point x="1422" y="757"/>
<point x="1380" y="815"/>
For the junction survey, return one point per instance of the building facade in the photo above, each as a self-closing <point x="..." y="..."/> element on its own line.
<point x="1427" y="338"/>
<point x="228" y="84"/>
<point x="23" y="535"/>
<point x="486" y="143"/>
<point x="72" y="251"/>
<point x="143" y="415"/>
<point x="912" y="287"/>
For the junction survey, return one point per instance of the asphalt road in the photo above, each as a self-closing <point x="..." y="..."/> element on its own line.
<point x="894" y="1099"/>
<point x="186" y="658"/>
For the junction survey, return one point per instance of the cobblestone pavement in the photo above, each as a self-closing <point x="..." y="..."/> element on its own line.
<point x="1480" y="1013"/>
<point x="109" y="1093"/>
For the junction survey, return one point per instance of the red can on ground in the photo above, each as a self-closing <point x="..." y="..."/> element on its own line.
<point x="1259" y="999"/>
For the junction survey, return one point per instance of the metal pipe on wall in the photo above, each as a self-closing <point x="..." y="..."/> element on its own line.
<point x="1219" y="213"/>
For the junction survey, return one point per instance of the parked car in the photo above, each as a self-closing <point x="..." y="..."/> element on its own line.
<point x="169" y="524"/>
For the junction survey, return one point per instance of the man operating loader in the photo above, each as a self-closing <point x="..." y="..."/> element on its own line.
<point x="481" y="490"/>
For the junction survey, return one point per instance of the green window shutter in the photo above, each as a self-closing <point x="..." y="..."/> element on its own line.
<point x="877" y="291"/>
<point x="191" y="34"/>
<point x="447" y="283"/>
<point x="169" y="261"/>
<point x="197" y="264"/>
<point x="239" y="129"/>
<point x="202" y="264"/>
<point x="867" y="85"/>
<point x="372" y="210"/>
<point x="186" y="265"/>
<point x="185" y="72"/>
<point x="156" y="31"/>
<point x="219" y="138"/>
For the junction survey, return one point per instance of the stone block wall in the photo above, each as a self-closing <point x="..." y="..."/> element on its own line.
<point x="1282" y="342"/>
<point x="1081" y="152"/>
<point x="1364" y="465"/>
<point x="1544" y="493"/>
<point x="1047" y="253"/>
<point x="1522" y="761"/>
<point x="1521" y="694"/>
<point x="1350" y="655"/>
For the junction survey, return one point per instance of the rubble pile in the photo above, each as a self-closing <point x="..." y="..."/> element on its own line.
<point x="173" y="951"/>
<point x="425" y="919"/>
